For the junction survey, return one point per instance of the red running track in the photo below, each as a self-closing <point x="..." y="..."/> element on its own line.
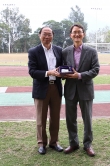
<point x="10" y="71"/>
<point x="12" y="113"/>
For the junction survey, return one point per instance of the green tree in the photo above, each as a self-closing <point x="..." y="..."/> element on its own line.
<point x="3" y="37"/>
<point x="34" y="38"/>
<point x="58" y="30"/>
<point x="107" y="38"/>
<point x="103" y="35"/>
<point x="106" y="34"/>
<point x="77" y="17"/>
<point x="23" y="34"/>
<point x="16" y="27"/>
<point x="66" y="24"/>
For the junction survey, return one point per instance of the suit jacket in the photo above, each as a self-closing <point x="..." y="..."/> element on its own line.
<point x="88" y="67"/>
<point x="37" y="65"/>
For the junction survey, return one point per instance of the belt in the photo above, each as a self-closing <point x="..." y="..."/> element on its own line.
<point x="52" y="81"/>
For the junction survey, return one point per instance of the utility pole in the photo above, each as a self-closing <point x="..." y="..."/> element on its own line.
<point x="96" y="9"/>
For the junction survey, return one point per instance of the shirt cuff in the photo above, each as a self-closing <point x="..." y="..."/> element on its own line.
<point x="46" y="74"/>
<point x="79" y="76"/>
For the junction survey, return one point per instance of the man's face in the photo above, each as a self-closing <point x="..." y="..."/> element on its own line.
<point x="46" y="36"/>
<point x="77" y="34"/>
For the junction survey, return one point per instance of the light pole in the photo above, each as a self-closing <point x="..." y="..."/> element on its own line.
<point x="96" y="9"/>
<point x="9" y="6"/>
<point x="64" y="43"/>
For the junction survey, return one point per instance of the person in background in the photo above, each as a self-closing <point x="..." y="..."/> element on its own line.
<point x="79" y="88"/>
<point x="47" y="88"/>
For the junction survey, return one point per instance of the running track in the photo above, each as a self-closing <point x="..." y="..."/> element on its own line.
<point x="28" y="112"/>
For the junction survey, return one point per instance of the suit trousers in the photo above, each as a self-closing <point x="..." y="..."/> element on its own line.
<point x="71" y="120"/>
<point x="53" y="102"/>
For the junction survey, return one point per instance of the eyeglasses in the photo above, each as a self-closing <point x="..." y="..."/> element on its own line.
<point x="45" y="34"/>
<point x="77" y="32"/>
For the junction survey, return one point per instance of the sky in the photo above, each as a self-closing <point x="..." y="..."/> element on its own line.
<point x="39" y="11"/>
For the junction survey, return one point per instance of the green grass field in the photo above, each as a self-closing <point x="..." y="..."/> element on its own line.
<point x="27" y="81"/>
<point x="18" y="146"/>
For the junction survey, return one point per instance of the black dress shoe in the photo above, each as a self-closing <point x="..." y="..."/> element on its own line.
<point x="71" y="149"/>
<point x="42" y="150"/>
<point x="58" y="148"/>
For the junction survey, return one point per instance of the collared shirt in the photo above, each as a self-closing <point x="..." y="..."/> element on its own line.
<point x="77" y="56"/>
<point x="51" y="60"/>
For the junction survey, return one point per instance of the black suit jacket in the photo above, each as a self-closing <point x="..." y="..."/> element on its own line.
<point x="37" y="65"/>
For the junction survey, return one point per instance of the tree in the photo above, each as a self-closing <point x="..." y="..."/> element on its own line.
<point x="34" y="38"/>
<point x="66" y="24"/>
<point x="91" y="37"/>
<point x="108" y="37"/>
<point x="16" y="26"/>
<point x="106" y="34"/>
<point x="103" y="36"/>
<point x="23" y="34"/>
<point x="77" y="17"/>
<point x="3" y="36"/>
<point x="58" y="30"/>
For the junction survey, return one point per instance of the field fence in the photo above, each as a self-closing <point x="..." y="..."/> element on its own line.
<point x="100" y="47"/>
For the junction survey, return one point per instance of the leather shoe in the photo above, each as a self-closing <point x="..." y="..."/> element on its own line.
<point x="42" y="150"/>
<point x="89" y="151"/>
<point x="71" y="149"/>
<point x="58" y="148"/>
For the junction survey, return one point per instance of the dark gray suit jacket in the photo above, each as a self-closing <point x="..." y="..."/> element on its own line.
<point x="37" y="65"/>
<point x="88" y="67"/>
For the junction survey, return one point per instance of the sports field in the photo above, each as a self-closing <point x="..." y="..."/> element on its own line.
<point x="16" y="88"/>
<point x="14" y="59"/>
<point x="21" y="59"/>
<point x="18" y="140"/>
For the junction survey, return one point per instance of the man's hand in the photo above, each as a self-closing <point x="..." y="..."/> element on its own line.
<point x="53" y="72"/>
<point x="74" y="75"/>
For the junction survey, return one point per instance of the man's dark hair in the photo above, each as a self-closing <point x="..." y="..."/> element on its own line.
<point x="77" y="25"/>
<point x="43" y="28"/>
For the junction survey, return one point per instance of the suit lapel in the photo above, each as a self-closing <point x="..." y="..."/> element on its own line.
<point x="70" y="57"/>
<point x="56" y="55"/>
<point x="83" y="55"/>
<point x="42" y="57"/>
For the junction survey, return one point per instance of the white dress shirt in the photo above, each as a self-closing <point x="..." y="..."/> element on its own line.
<point x="51" y="60"/>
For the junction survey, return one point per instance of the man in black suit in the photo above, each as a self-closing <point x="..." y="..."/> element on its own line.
<point x="47" y="88"/>
<point x="79" y="88"/>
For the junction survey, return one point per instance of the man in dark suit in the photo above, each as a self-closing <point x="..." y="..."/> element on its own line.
<point x="47" y="88"/>
<point x="79" y="88"/>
